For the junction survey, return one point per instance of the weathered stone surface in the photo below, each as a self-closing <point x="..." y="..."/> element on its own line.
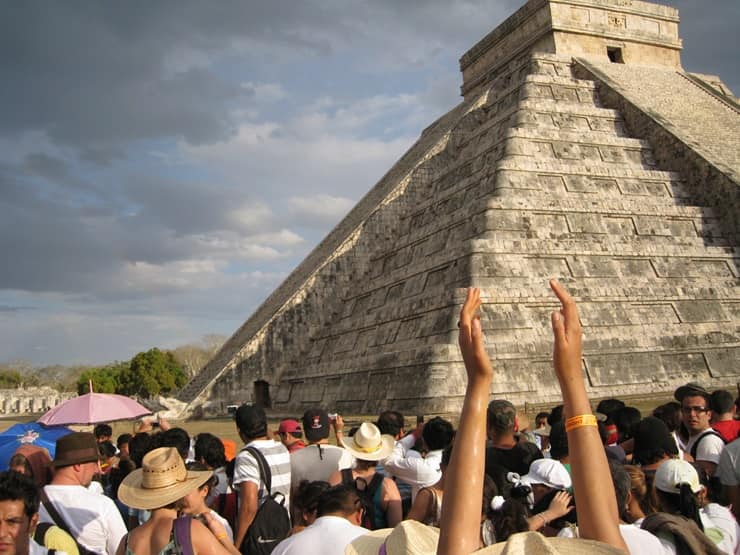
<point x="558" y="163"/>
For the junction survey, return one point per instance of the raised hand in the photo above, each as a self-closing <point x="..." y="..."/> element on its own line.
<point x="566" y="328"/>
<point x="477" y="363"/>
<point x="560" y="505"/>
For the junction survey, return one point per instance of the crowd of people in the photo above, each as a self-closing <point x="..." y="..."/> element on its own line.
<point x="571" y="480"/>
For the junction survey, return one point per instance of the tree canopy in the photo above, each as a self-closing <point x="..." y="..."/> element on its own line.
<point x="149" y="373"/>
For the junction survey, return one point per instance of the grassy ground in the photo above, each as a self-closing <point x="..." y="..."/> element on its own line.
<point x="225" y="428"/>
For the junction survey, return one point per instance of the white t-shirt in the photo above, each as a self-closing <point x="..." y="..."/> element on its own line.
<point x="405" y="464"/>
<point x="709" y="449"/>
<point x="329" y="535"/>
<point x="721" y="527"/>
<point x="246" y="469"/>
<point x="639" y="541"/>
<point x="93" y="519"/>
<point x="309" y="464"/>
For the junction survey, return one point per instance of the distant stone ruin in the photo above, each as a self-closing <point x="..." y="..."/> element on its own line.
<point x="31" y="400"/>
<point x="583" y="151"/>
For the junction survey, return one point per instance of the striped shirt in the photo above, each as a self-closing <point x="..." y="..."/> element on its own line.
<point x="246" y="468"/>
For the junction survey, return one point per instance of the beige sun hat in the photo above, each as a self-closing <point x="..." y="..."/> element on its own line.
<point x="161" y="480"/>
<point x="414" y="538"/>
<point x="368" y="444"/>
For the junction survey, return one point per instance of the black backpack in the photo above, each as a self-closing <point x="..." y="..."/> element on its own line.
<point x="366" y="491"/>
<point x="271" y="524"/>
<point x="714" y="485"/>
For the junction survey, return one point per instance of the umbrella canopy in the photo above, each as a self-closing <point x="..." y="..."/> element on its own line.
<point x="31" y="433"/>
<point x="93" y="408"/>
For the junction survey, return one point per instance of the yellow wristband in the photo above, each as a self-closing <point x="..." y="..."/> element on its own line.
<point x="579" y="421"/>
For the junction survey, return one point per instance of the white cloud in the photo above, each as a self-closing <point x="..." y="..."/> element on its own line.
<point x="325" y="208"/>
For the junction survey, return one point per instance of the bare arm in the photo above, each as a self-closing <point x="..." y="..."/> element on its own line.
<point x="422" y="506"/>
<point x="392" y="503"/>
<point x="204" y="539"/>
<point x="247" y="510"/>
<point x="598" y="518"/>
<point x="461" y="504"/>
<point x="335" y="478"/>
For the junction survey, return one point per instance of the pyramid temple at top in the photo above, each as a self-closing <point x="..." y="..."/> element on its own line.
<point x="581" y="150"/>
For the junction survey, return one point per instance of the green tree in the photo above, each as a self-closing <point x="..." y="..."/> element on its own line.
<point x="105" y="379"/>
<point x="10" y="379"/>
<point x="151" y="373"/>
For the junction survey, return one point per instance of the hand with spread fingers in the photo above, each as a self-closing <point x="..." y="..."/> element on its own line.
<point x="567" y="333"/>
<point x="472" y="348"/>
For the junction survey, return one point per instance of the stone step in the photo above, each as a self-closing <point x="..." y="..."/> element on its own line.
<point x="578" y="147"/>
<point x="566" y="81"/>
<point x="590" y="170"/>
<point x="573" y="108"/>
<point x="608" y="246"/>
<point x="638" y="207"/>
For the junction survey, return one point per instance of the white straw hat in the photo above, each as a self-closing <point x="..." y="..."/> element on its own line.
<point x="161" y="480"/>
<point x="368" y="444"/>
<point x="414" y="538"/>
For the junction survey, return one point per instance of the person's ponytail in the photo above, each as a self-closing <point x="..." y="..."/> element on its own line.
<point x="689" y="504"/>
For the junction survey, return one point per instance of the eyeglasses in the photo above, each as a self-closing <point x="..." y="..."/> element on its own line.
<point x="697" y="410"/>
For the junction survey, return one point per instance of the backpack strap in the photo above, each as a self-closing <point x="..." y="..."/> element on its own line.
<point x="374" y="484"/>
<point x="59" y="521"/>
<point x="347" y="478"/>
<point x="40" y="533"/>
<point x="181" y="529"/>
<point x="705" y="433"/>
<point x="265" y="473"/>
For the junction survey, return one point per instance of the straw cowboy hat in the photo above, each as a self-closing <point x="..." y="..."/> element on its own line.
<point x="162" y="480"/>
<point x="414" y="538"/>
<point x="368" y="444"/>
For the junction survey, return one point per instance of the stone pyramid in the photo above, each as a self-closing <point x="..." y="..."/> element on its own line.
<point x="583" y="151"/>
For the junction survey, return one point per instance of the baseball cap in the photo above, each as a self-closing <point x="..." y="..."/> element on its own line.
<point x="289" y="426"/>
<point x="674" y="472"/>
<point x="548" y="472"/>
<point x="316" y="424"/>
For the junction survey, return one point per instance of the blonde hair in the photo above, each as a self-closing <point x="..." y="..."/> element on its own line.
<point x="641" y="490"/>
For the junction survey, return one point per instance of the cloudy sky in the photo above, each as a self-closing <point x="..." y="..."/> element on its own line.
<point x="164" y="165"/>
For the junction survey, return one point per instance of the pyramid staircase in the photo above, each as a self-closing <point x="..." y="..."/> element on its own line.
<point x="531" y="179"/>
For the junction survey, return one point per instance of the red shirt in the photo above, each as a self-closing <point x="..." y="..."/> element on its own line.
<point x="728" y="429"/>
<point x="296" y="446"/>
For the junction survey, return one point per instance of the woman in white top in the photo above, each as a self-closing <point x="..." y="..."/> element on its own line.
<point x="194" y="503"/>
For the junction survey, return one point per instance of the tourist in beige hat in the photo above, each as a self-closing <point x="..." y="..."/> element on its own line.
<point x="369" y="446"/>
<point x="159" y="486"/>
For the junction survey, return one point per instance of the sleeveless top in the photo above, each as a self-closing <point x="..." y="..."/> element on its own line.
<point x="436" y="516"/>
<point x="172" y="547"/>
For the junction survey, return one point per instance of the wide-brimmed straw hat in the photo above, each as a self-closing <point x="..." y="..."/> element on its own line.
<point x="368" y="444"/>
<point x="161" y="480"/>
<point x="414" y="538"/>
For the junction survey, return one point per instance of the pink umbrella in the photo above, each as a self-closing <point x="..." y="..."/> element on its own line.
<point x="92" y="408"/>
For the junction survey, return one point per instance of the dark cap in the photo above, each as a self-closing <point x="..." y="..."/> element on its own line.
<point x="652" y="441"/>
<point x="693" y="389"/>
<point x="251" y="420"/>
<point x="76" y="448"/>
<point x="316" y="424"/>
<point x="501" y="415"/>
